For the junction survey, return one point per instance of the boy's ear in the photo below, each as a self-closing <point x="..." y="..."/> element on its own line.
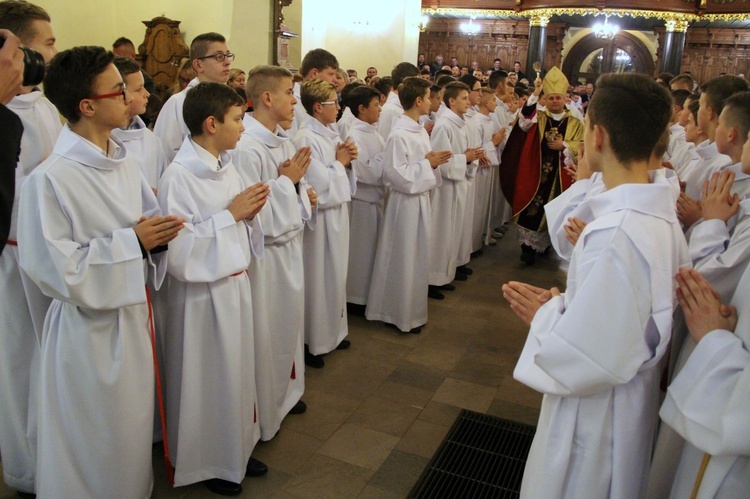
<point x="209" y="125"/>
<point x="265" y="98"/>
<point x="86" y="108"/>
<point x="360" y="109"/>
<point x="600" y="137"/>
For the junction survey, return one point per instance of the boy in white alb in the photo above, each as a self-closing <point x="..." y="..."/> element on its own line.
<point x="707" y="403"/>
<point x="398" y="291"/>
<point x="266" y="154"/>
<point x="719" y="242"/>
<point x="392" y="109"/>
<point x="326" y="249"/>
<point x="448" y="201"/>
<point x="714" y="93"/>
<point x="211" y="399"/>
<point x="367" y="202"/>
<point x="142" y="144"/>
<point x="486" y="181"/>
<point x="318" y="64"/>
<point x="22" y="304"/>
<point x="88" y="243"/>
<point x="211" y="60"/>
<point x="599" y="366"/>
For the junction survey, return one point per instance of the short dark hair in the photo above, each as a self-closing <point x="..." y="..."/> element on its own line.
<point x="403" y="70"/>
<point x="497" y="77"/>
<point x="634" y="110"/>
<point x="199" y="45"/>
<point x="442" y="72"/>
<point x="443" y="80"/>
<point x="70" y="76"/>
<point x="680" y="95"/>
<point x="347" y="90"/>
<point x="318" y="59"/>
<point x="425" y="71"/>
<point x="126" y="66"/>
<point x="361" y="95"/>
<point x="208" y="99"/>
<point x="452" y="90"/>
<point x="684" y="77"/>
<point x="469" y="80"/>
<point x="122" y="41"/>
<point x="737" y="113"/>
<point x="434" y="89"/>
<point x="411" y="88"/>
<point x="18" y="15"/>
<point x="496" y="60"/>
<point x="665" y="78"/>
<point x="718" y="90"/>
<point x="384" y="85"/>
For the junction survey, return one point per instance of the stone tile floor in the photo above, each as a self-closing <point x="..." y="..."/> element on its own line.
<point x="378" y="411"/>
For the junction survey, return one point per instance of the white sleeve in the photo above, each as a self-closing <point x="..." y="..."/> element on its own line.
<point x="170" y="127"/>
<point x="204" y="250"/>
<point x="405" y="174"/>
<point x="597" y="340"/>
<point x="708" y="403"/>
<point x="104" y="274"/>
<point x="455" y="168"/>
<point x="331" y="182"/>
<point x="720" y="258"/>
<point x="559" y="210"/>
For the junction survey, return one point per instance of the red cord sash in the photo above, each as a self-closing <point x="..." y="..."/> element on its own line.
<point x="159" y="392"/>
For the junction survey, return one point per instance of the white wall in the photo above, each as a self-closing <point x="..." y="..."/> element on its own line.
<point x="245" y="23"/>
<point x="380" y="34"/>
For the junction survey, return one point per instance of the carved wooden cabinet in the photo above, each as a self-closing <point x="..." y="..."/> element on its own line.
<point x="161" y="47"/>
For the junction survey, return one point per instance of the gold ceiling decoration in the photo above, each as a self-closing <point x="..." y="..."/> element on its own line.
<point x="678" y="18"/>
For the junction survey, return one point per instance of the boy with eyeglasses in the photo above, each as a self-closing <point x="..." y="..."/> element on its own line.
<point x="326" y="249"/>
<point x="90" y="228"/>
<point x="211" y="61"/>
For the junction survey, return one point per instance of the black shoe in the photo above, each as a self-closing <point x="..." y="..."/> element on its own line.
<point x="255" y="467"/>
<point x="461" y="276"/>
<point x="415" y="330"/>
<point x="26" y="495"/>
<point x="355" y="309"/>
<point x="223" y="487"/>
<point x="315" y="361"/>
<point x="434" y="292"/>
<point x="299" y="408"/>
<point x="343" y="345"/>
<point x="477" y="253"/>
<point x="447" y="287"/>
<point x="528" y="254"/>
<point x="463" y="269"/>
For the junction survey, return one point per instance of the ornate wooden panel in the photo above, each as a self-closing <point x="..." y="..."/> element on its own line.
<point x="506" y="40"/>
<point x="162" y="45"/>
<point x="711" y="51"/>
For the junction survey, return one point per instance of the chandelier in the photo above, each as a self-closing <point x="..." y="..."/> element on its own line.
<point x="606" y="31"/>
<point x="470" y="28"/>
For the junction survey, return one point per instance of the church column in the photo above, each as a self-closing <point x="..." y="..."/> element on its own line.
<point x="537" y="44"/>
<point x="673" y="47"/>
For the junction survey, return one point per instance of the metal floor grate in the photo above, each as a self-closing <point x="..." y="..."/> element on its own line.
<point x="482" y="456"/>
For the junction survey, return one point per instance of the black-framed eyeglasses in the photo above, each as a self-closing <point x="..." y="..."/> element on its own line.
<point x="219" y="56"/>
<point x="123" y="93"/>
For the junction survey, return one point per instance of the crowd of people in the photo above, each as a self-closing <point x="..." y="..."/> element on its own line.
<point x="170" y="270"/>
